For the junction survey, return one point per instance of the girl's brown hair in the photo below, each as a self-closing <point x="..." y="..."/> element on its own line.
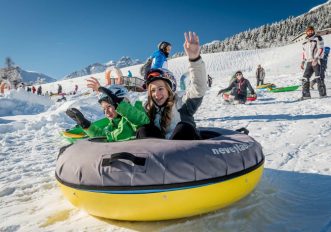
<point x="151" y="108"/>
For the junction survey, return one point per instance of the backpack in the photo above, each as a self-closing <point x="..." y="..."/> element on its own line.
<point x="326" y="53"/>
<point x="146" y="67"/>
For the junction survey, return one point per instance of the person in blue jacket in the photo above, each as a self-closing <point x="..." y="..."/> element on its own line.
<point x="159" y="57"/>
<point x="129" y="73"/>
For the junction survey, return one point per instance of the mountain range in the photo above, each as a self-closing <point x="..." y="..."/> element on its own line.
<point x="16" y="74"/>
<point x="125" y="61"/>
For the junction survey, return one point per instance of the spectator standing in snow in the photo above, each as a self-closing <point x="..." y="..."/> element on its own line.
<point x="33" y="89"/>
<point x="129" y="73"/>
<point x="324" y="66"/>
<point x="312" y="54"/>
<point x="210" y="81"/>
<point x="76" y="89"/>
<point x="59" y="89"/>
<point x="39" y="90"/>
<point x="260" y="74"/>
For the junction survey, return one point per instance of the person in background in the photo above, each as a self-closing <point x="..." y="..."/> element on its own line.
<point x="124" y="118"/>
<point x="129" y="73"/>
<point x="312" y="54"/>
<point x="260" y="74"/>
<point x="59" y="89"/>
<point x="39" y="90"/>
<point x="324" y="66"/>
<point x="210" y="81"/>
<point x="33" y="89"/>
<point x="76" y="89"/>
<point x="160" y="57"/>
<point x="239" y="88"/>
<point x="171" y="115"/>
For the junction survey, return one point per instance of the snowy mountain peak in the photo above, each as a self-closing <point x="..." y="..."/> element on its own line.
<point x="123" y="62"/>
<point x="16" y="74"/>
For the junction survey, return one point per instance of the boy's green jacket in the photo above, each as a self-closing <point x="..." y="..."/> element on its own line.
<point x="124" y="126"/>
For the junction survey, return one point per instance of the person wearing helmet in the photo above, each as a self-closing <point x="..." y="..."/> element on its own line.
<point x="159" y="58"/>
<point x="239" y="88"/>
<point x="171" y="115"/>
<point x="312" y="54"/>
<point x="124" y="118"/>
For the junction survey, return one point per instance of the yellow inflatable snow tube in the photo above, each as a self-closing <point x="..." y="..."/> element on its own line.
<point x="167" y="204"/>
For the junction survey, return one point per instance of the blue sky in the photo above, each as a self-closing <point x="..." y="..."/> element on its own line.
<point x="57" y="37"/>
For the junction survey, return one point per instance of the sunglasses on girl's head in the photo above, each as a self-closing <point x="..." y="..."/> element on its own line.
<point x="154" y="74"/>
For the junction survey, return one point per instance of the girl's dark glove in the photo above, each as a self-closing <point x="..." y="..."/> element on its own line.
<point x="78" y="117"/>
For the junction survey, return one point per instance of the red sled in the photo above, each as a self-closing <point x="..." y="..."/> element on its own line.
<point x="226" y="97"/>
<point x="251" y="98"/>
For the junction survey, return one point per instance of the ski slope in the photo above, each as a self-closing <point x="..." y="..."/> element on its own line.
<point x="295" y="191"/>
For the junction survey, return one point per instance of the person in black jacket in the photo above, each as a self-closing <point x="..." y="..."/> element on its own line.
<point x="239" y="88"/>
<point x="39" y="90"/>
<point x="209" y="81"/>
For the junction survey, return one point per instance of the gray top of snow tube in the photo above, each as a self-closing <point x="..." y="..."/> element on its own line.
<point x="151" y="163"/>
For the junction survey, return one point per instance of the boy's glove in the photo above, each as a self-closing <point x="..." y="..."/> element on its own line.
<point x="78" y="117"/>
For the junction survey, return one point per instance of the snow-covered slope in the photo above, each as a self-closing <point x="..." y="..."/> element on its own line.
<point x="294" y="194"/>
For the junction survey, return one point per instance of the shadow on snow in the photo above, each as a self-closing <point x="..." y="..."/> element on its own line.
<point x="283" y="201"/>
<point x="268" y="117"/>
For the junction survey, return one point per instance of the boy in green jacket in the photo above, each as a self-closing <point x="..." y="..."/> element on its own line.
<point x="124" y="118"/>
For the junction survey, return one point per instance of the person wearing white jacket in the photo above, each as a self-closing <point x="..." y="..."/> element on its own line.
<point x="312" y="55"/>
<point x="171" y="115"/>
<point x="260" y="74"/>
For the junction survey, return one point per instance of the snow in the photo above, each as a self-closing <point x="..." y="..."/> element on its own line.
<point x="295" y="191"/>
